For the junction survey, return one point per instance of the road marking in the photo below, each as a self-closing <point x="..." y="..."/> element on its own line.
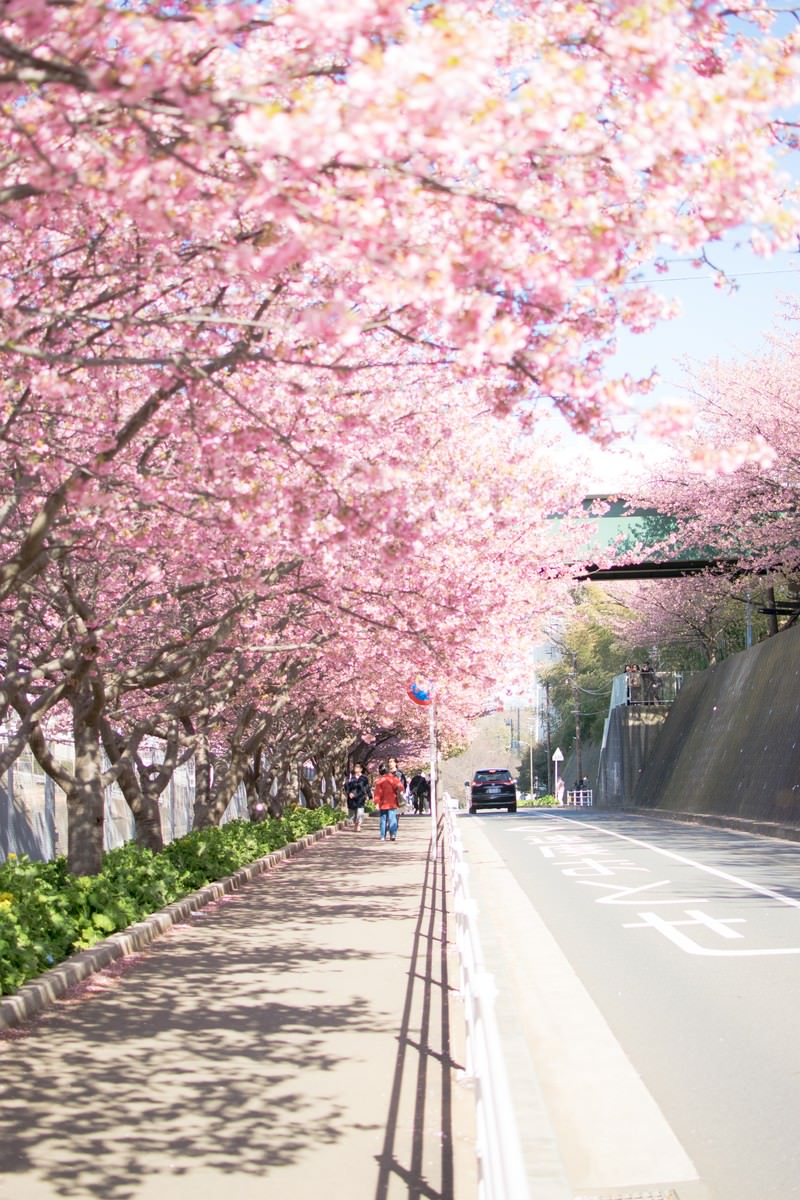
<point x="621" y="895"/>
<point x="671" y="930"/>
<point x="690" y="862"/>
<point x="720" y="927"/>
<point x="610" y="1130"/>
<point x="591" y="866"/>
<point x="584" y="841"/>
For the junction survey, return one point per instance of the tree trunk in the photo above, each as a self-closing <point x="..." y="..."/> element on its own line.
<point x="86" y="802"/>
<point x="307" y="790"/>
<point x="142" y="800"/>
<point x="250" y="779"/>
<point x="286" y="794"/>
<point x="202" y="784"/>
<point x="226" y="781"/>
<point x="270" y="791"/>
<point x="141" y="792"/>
<point x="149" y="832"/>
<point x="772" y="617"/>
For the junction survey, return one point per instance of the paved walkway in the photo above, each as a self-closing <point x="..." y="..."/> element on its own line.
<point x="300" y="1038"/>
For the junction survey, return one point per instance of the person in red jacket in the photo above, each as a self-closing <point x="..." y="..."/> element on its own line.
<point x="387" y="793"/>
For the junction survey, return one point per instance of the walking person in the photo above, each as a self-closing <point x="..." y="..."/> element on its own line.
<point x="357" y="790"/>
<point x="394" y="770"/>
<point x="420" y="792"/>
<point x="387" y="793"/>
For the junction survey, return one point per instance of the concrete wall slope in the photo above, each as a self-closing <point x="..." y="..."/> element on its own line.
<point x="730" y="744"/>
<point x="632" y="734"/>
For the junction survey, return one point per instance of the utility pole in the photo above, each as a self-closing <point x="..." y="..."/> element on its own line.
<point x="576" y="707"/>
<point x="549" y="746"/>
<point x="530" y="753"/>
<point x="434" y="846"/>
<point x="748" y="621"/>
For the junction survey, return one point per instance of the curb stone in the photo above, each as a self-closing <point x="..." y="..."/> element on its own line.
<point x="42" y="992"/>
<point x="744" y="825"/>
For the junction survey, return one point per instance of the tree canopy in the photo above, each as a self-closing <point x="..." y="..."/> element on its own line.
<point x="282" y="295"/>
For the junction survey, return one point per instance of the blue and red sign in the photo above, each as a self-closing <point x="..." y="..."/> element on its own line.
<point x="420" y="690"/>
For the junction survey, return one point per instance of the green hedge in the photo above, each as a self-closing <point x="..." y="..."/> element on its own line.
<point x="46" y="914"/>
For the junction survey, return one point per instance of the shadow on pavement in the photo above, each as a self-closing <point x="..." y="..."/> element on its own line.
<point x="204" y="1059"/>
<point x="428" y="990"/>
<point x="225" y="1051"/>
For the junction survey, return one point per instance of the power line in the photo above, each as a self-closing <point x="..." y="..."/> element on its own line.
<point x="710" y="278"/>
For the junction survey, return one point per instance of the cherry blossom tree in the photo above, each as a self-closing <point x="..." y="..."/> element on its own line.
<point x="475" y="184"/>
<point x="690" y="622"/>
<point x="281" y="300"/>
<point x="731" y="491"/>
<point x="202" y="663"/>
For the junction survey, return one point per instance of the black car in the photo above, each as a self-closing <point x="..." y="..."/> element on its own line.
<point x="493" y="788"/>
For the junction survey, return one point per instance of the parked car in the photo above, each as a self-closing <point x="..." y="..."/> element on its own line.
<point x="494" y="787"/>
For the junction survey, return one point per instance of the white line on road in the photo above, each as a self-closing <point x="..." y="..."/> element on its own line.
<point x="691" y="862"/>
<point x="671" y="930"/>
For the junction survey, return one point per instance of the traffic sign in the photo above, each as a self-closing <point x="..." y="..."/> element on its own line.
<point x="420" y="690"/>
<point x="558" y="756"/>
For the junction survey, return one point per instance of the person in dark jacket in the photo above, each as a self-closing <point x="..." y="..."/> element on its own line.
<point x="395" y="770"/>
<point x="403" y="798"/>
<point x="420" y="792"/>
<point x="357" y="790"/>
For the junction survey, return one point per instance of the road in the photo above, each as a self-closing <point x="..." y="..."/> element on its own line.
<point x="649" y="978"/>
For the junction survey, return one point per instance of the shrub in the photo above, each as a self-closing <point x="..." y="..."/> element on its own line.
<point x="46" y="913"/>
<point x="133" y="883"/>
<point x="38" y="919"/>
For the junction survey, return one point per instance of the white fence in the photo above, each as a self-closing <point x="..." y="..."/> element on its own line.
<point x="580" y="798"/>
<point x="502" y="1174"/>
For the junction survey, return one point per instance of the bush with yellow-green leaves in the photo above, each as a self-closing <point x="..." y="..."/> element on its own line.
<point x="46" y="913"/>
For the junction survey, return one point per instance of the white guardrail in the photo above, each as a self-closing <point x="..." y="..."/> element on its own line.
<point x="580" y="798"/>
<point x="502" y="1173"/>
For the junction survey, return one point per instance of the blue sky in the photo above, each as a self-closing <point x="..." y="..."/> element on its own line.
<point x="713" y="323"/>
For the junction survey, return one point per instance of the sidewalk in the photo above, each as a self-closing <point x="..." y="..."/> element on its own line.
<point x="299" y="1038"/>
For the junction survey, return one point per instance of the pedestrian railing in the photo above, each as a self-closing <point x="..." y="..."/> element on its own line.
<point x="580" y="798"/>
<point x="501" y="1169"/>
<point x="646" y="687"/>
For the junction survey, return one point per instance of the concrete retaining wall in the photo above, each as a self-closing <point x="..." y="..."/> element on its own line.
<point x="632" y="734"/>
<point x="730" y="744"/>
